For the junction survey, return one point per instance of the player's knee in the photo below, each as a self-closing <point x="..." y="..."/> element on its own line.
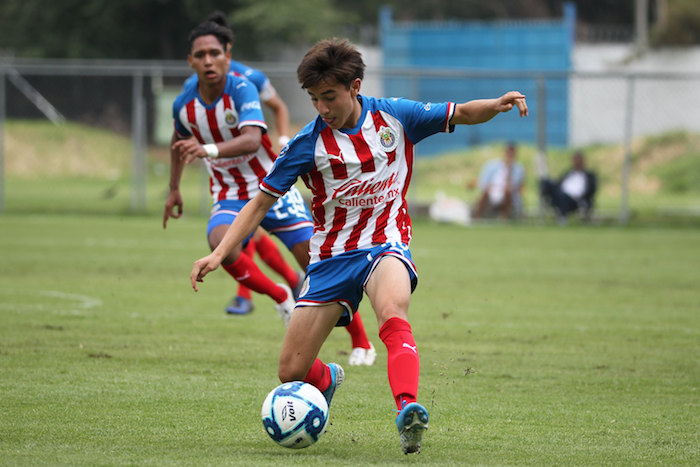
<point x="288" y="373"/>
<point x="391" y="311"/>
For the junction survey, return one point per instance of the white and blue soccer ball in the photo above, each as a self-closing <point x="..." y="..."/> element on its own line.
<point x="295" y="414"/>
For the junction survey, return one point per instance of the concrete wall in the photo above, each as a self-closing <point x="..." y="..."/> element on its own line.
<point x="663" y="100"/>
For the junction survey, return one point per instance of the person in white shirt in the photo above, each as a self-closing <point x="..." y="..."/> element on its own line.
<point x="501" y="184"/>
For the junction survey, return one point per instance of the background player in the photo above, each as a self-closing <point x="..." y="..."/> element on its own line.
<point x="218" y="118"/>
<point x="242" y="303"/>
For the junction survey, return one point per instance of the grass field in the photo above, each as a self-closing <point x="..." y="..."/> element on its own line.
<point x="539" y="346"/>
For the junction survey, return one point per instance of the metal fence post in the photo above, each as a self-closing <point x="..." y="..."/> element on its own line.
<point x="629" y="119"/>
<point x="542" y="170"/>
<point x="3" y="115"/>
<point x="138" y="135"/>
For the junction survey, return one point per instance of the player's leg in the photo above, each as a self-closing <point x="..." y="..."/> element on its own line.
<point x="242" y="302"/>
<point x="363" y="352"/>
<point x="389" y="289"/>
<point x="271" y="255"/>
<point x="307" y="331"/>
<point x="244" y="270"/>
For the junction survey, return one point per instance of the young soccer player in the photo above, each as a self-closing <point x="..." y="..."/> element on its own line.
<point x="357" y="159"/>
<point x="218" y="118"/>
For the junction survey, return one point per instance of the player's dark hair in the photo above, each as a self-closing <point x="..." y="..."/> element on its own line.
<point x="331" y="60"/>
<point x="212" y="28"/>
<point x="220" y="18"/>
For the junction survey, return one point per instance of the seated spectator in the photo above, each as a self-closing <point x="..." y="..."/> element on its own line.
<point x="573" y="192"/>
<point x="501" y="184"/>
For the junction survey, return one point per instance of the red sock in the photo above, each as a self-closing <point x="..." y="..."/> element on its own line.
<point x="319" y="375"/>
<point x="357" y="332"/>
<point x="243" y="291"/>
<point x="268" y="251"/>
<point x="403" y="363"/>
<point x="245" y="271"/>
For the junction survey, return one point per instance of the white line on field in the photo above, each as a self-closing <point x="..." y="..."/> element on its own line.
<point x="84" y="301"/>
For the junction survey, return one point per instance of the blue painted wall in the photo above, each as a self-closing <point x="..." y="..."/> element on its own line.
<point x="493" y="46"/>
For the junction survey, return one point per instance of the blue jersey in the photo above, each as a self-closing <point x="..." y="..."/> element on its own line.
<point x="359" y="176"/>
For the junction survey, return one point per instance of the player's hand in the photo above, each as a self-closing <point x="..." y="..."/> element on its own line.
<point x="201" y="268"/>
<point x="189" y="149"/>
<point x="510" y="99"/>
<point x="174" y="201"/>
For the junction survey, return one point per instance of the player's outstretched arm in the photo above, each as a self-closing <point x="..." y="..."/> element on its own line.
<point x="243" y="225"/>
<point x="483" y="110"/>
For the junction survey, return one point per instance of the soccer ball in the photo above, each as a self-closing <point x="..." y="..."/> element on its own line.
<point x="295" y="414"/>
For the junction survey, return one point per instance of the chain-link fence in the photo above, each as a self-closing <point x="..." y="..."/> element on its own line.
<point x="639" y="131"/>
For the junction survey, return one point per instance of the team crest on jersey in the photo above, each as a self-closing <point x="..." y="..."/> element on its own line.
<point x="230" y="118"/>
<point x="387" y="139"/>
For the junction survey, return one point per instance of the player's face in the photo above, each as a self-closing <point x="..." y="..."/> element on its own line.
<point x="337" y="105"/>
<point x="209" y="60"/>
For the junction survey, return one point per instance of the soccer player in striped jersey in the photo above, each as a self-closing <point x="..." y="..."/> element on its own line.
<point x="357" y="159"/>
<point x="261" y="243"/>
<point x="220" y="120"/>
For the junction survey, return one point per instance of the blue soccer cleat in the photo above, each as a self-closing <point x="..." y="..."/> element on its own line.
<point x="337" y="378"/>
<point x="240" y="306"/>
<point x="412" y="422"/>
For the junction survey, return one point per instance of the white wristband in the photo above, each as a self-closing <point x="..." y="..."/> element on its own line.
<point x="212" y="150"/>
<point x="284" y="139"/>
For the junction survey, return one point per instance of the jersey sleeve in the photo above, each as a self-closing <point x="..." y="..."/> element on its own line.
<point x="179" y="127"/>
<point x="247" y="104"/>
<point x="421" y="120"/>
<point x="257" y="77"/>
<point x="262" y="83"/>
<point x="295" y="159"/>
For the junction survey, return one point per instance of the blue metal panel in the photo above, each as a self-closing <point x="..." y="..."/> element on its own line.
<point x="541" y="45"/>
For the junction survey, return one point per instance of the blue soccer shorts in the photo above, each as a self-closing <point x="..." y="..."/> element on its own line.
<point x="343" y="278"/>
<point x="289" y="219"/>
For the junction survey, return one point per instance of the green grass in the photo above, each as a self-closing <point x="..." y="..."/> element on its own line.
<point x="539" y="346"/>
<point x="78" y="169"/>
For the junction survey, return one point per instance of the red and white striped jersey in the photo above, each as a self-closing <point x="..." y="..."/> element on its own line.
<point x="359" y="177"/>
<point x="233" y="178"/>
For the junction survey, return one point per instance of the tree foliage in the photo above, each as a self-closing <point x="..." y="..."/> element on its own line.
<point x="261" y="24"/>
<point x="681" y="26"/>
<point x="101" y="28"/>
<point x="158" y="29"/>
<point x="155" y="28"/>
